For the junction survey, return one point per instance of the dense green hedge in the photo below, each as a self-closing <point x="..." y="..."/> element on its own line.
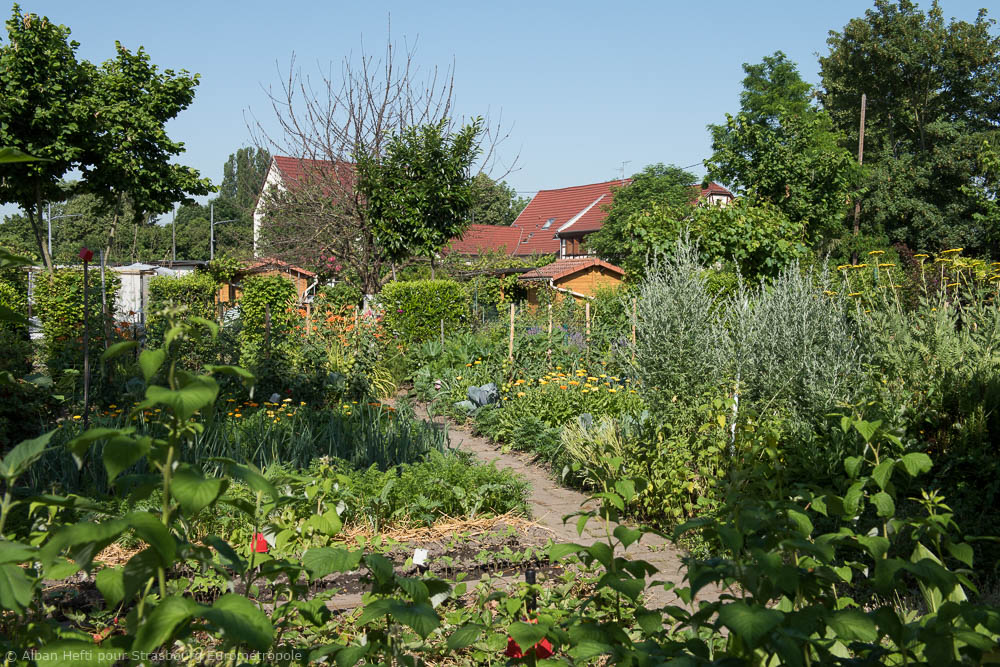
<point x="59" y="305"/>
<point x="414" y="310"/>
<point x="269" y="357"/>
<point x="195" y="291"/>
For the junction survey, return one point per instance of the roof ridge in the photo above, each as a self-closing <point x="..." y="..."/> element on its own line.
<point x="587" y="185"/>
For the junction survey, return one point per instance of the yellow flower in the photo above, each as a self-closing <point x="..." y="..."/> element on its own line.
<point x="287" y="400"/>
<point x="238" y="415"/>
<point x="477" y="362"/>
<point x="859" y="266"/>
<point x="603" y="375"/>
<point x="591" y="379"/>
<point x="521" y="394"/>
<point x="828" y="292"/>
<point x="940" y="260"/>
<point x="584" y="391"/>
<point x="843" y="266"/>
<point x="458" y="377"/>
<point x="573" y="382"/>
<point x="854" y="294"/>
<point x="543" y="382"/>
<point x="77" y="417"/>
<point x="302" y="402"/>
<point x="952" y="251"/>
<point x="952" y="285"/>
<point x="877" y="252"/>
<point x="886" y="265"/>
<point x="112" y="406"/>
<point x="612" y="391"/>
<point x="468" y="365"/>
<point x="920" y="255"/>
<point x="229" y="414"/>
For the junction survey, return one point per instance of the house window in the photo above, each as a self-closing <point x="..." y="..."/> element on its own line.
<point x="548" y="223"/>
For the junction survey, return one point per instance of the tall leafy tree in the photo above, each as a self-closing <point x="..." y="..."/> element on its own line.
<point x="419" y="193"/>
<point x="242" y="176"/>
<point x="130" y="154"/>
<point x="44" y="91"/>
<point x="645" y="217"/>
<point x="494" y="202"/>
<point x="933" y="97"/>
<point x="781" y="151"/>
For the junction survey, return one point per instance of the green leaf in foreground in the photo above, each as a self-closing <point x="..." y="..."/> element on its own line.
<point x="752" y="624"/>
<point x="241" y="620"/>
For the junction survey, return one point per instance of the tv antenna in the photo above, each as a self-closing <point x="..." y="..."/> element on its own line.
<point x="624" y="162"/>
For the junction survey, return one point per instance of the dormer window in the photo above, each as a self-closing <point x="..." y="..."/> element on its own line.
<point x="548" y="223"/>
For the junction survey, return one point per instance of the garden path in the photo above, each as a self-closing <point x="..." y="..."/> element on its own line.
<point x="550" y="502"/>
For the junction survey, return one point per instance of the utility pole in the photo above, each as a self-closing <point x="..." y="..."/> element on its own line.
<point x="173" y="239"/>
<point x="211" y="230"/>
<point x="49" y="216"/>
<point x="861" y="158"/>
<point x="624" y="162"/>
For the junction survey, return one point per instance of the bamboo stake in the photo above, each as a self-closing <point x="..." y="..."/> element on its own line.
<point x="442" y="333"/>
<point x="510" y="345"/>
<point x="586" y="312"/>
<point x="308" y="319"/>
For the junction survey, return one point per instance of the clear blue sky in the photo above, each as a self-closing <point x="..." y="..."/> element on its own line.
<point x="585" y="85"/>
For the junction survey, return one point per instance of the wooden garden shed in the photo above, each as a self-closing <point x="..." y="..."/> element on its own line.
<point x="579" y="277"/>
<point x="305" y="280"/>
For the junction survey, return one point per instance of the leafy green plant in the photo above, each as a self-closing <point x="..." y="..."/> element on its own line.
<point x="414" y="310"/>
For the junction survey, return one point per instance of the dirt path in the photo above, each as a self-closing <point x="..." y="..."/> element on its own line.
<point x="550" y="502"/>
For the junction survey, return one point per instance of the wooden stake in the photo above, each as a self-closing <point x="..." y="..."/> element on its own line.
<point x="586" y="313"/>
<point x="634" y="321"/>
<point x="308" y="319"/>
<point x="549" y="351"/>
<point x="861" y="159"/>
<point x="510" y="345"/>
<point x="442" y="333"/>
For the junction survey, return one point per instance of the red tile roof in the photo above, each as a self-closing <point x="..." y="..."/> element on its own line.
<point x="296" y="170"/>
<point x="715" y="189"/>
<point x="583" y="205"/>
<point x="479" y="238"/>
<point x="564" y="267"/>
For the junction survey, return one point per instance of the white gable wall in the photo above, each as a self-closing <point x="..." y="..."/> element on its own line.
<point x="272" y="180"/>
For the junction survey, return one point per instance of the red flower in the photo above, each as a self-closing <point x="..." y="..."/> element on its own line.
<point x="543" y="649"/>
<point x="259" y="544"/>
<point x="86" y="255"/>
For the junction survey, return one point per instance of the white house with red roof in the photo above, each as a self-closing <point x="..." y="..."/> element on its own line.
<point x="291" y="172"/>
<point x="556" y="222"/>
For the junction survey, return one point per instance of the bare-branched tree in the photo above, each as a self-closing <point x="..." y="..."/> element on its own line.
<point x="317" y="216"/>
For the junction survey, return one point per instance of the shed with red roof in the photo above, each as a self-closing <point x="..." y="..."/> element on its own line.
<point x="579" y="277"/>
<point x="304" y="279"/>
